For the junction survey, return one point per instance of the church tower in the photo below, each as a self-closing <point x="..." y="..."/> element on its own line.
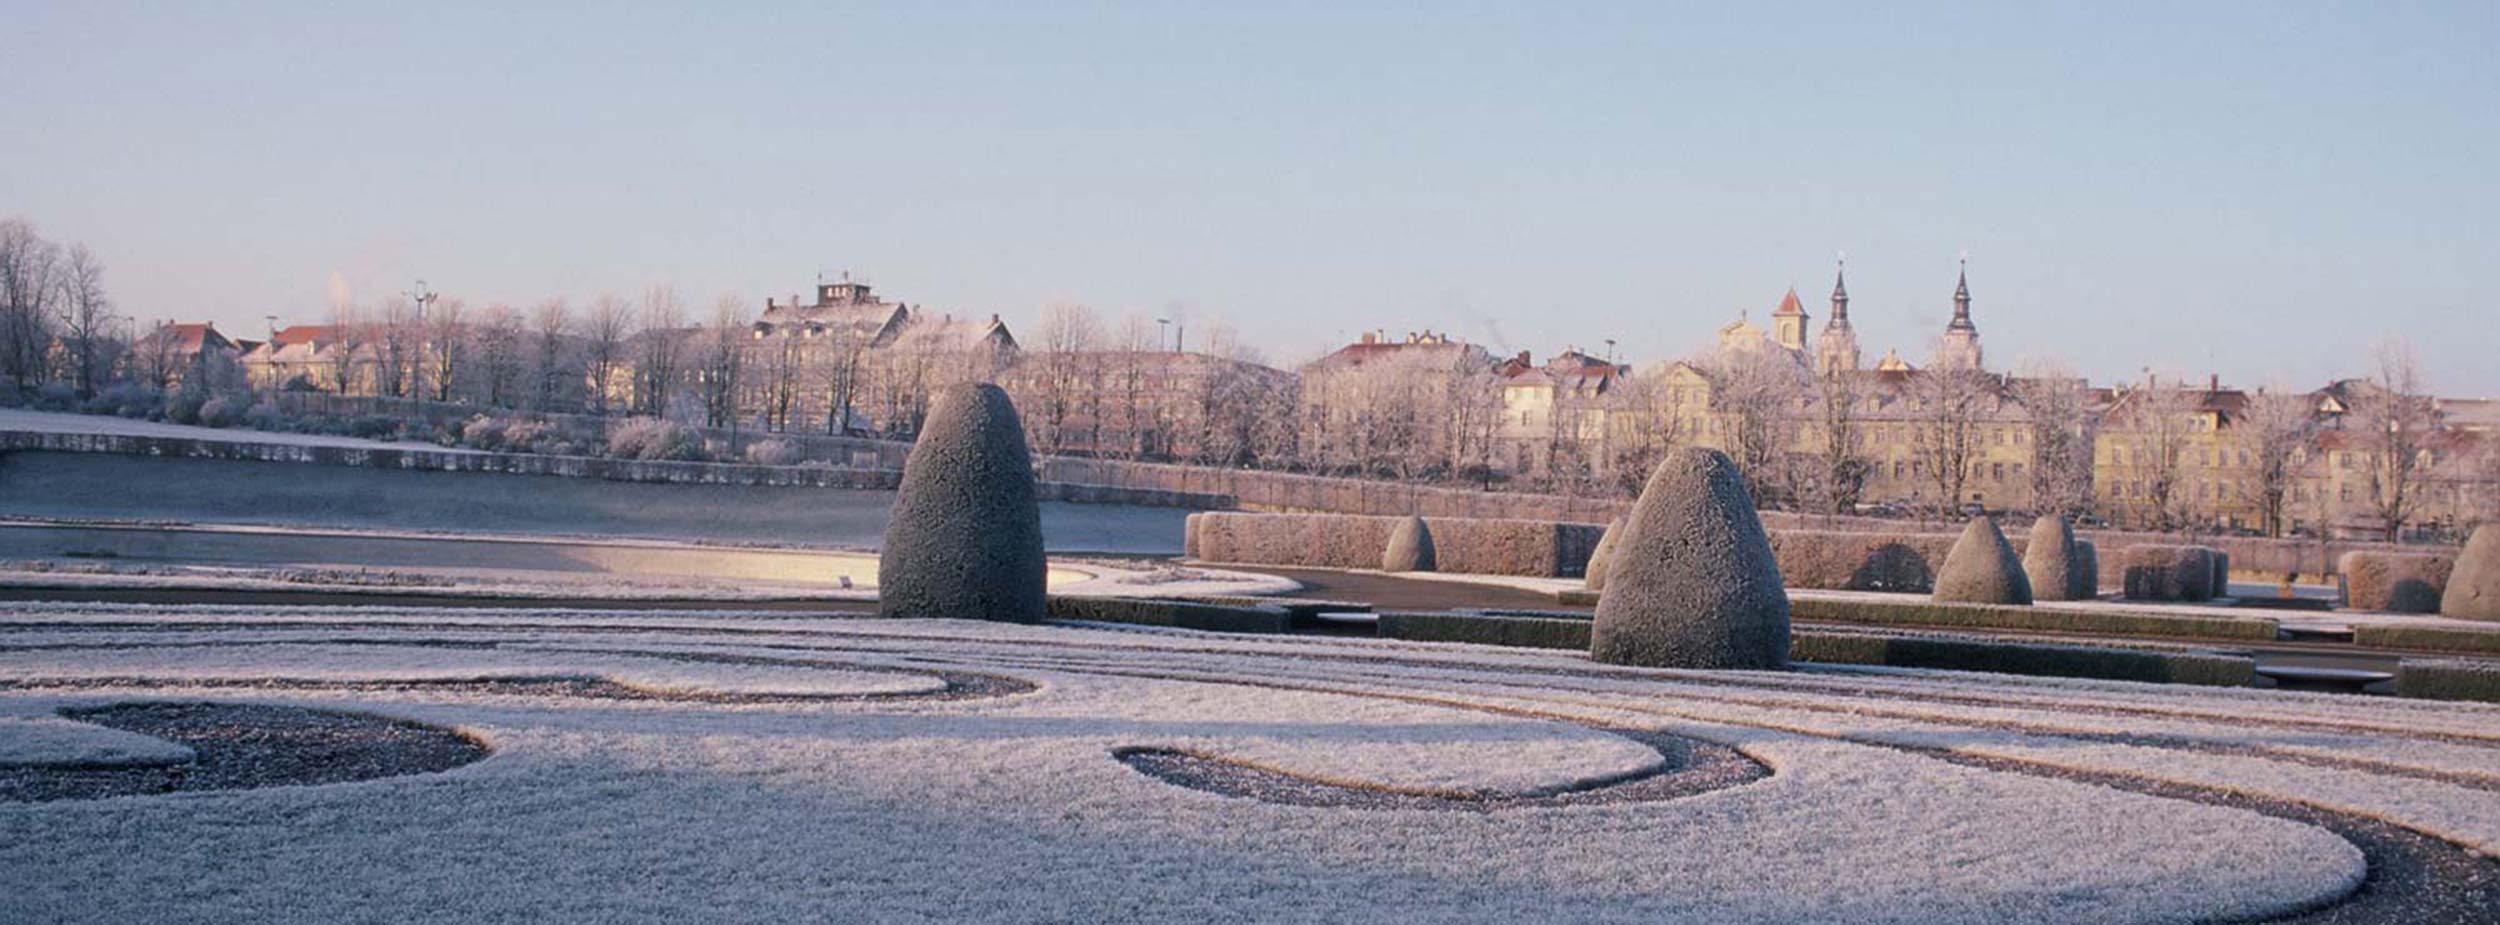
<point x="1788" y="322"/>
<point x="1960" y="347"/>
<point x="1836" y="349"/>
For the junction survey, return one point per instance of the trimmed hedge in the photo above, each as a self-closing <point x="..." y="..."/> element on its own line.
<point x="1954" y="653"/>
<point x="1189" y="536"/>
<point x="964" y="539"/>
<point x="2474" y="585"/>
<point x="1982" y="568"/>
<point x="1299" y="607"/>
<point x="1410" y="548"/>
<point x="2170" y="573"/>
<point x="1694" y="584"/>
<point x="1352" y="541"/>
<point x="1839" y="561"/>
<point x="2448" y="679"/>
<point x="1581" y="597"/>
<point x="1846" y="648"/>
<point x="2394" y="582"/>
<point x="2038" y="619"/>
<point x="2087" y="571"/>
<point x="1486" y="629"/>
<point x="2431" y="638"/>
<point x="1188" y="615"/>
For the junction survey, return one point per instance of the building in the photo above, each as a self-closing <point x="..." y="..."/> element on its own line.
<point x="1553" y="421"/>
<point x="852" y="362"/>
<point x="300" y="357"/>
<point x="180" y="355"/>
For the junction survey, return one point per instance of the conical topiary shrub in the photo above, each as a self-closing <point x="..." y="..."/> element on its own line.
<point x="2087" y="575"/>
<point x="965" y="537"/>
<point x="1410" y="548"/>
<point x="2049" y="559"/>
<point x="1595" y="573"/>
<point x="1982" y="569"/>
<point x="1691" y="582"/>
<point x="2474" y="584"/>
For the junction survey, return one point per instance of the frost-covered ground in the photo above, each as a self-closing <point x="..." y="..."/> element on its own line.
<point x="214" y="491"/>
<point x="963" y="771"/>
<point x="697" y="574"/>
<point x="56" y="422"/>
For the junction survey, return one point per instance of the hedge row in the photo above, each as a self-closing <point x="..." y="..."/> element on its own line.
<point x="2215" y="669"/>
<point x="1846" y="648"/>
<point x="1576" y="597"/>
<point x="1353" y="541"/>
<point x="2431" y="638"/>
<point x="1528" y="632"/>
<point x="2394" y="582"/>
<point x="1188" y="615"/>
<point x="2448" y="679"/>
<point x="1913" y="612"/>
<point x="2156" y="572"/>
<point x="1835" y="561"/>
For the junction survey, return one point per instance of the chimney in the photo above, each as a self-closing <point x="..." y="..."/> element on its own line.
<point x="1523" y="358"/>
<point x="2213" y="382"/>
<point x="993" y="318"/>
<point x="768" y="303"/>
<point x="1368" y="338"/>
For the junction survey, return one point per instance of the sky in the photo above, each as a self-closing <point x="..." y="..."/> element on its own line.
<point x="2255" y="191"/>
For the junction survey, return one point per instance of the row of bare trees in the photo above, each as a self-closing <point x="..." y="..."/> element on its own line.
<point x="54" y="312"/>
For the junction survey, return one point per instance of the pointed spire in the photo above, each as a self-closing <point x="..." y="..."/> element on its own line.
<point x="1840" y="295"/>
<point x="1961" y="298"/>
<point x="1790" y="305"/>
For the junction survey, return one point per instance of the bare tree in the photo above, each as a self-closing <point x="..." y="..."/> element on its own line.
<point x="2061" y="433"/>
<point x="29" y="267"/>
<point x="353" y="336"/>
<point x="840" y="363"/>
<point x="551" y="323"/>
<point x="1641" y="428"/>
<point x="782" y="354"/>
<point x="722" y="366"/>
<point x="87" y="317"/>
<point x="1064" y="393"/>
<point x="2158" y="425"/>
<point x="1756" y="394"/>
<point x="657" y="363"/>
<point x="2393" y="421"/>
<point x="446" y="347"/>
<point x="1841" y="467"/>
<point x="604" y="337"/>
<point x="160" y="357"/>
<point x="397" y="341"/>
<point x="2277" y="428"/>
<point x="500" y="356"/>
<point x="1951" y="406"/>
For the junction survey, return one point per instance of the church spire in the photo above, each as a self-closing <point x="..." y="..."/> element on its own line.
<point x="1840" y="296"/>
<point x="1961" y="299"/>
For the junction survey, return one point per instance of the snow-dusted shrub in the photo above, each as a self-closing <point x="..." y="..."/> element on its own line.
<point x="374" y="427"/>
<point x="1838" y="561"/>
<point x="775" y="453"/>
<point x="2474" y="584"/>
<point x="2049" y="560"/>
<point x="2087" y="572"/>
<point x="1483" y="546"/>
<point x="1601" y="557"/>
<point x="57" y="396"/>
<point x="184" y="407"/>
<point x="2394" y="582"/>
<point x="264" y="416"/>
<point x="965" y="538"/>
<point x="1982" y="568"/>
<point x="2157" y="572"/>
<point x="1409" y="549"/>
<point x="1694" y="584"/>
<point x="654" y="438"/>
<point x="223" y="411"/>
<point x="128" y="400"/>
<point x="2448" y="679"/>
<point x="10" y="397"/>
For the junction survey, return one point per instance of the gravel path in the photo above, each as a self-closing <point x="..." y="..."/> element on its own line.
<point x="1691" y="766"/>
<point x="244" y="746"/>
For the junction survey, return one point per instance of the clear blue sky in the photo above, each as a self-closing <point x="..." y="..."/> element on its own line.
<point x="2257" y="190"/>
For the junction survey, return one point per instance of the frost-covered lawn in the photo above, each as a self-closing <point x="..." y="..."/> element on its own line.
<point x="893" y="801"/>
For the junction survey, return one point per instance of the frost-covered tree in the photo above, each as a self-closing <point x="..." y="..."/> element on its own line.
<point x="86" y="321"/>
<point x="29" y="285"/>
<point x="2276" y="428"/>
<point x="2393" y="422"/>
<point x="605" y="333"/>
<point x="551" y="326"/>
